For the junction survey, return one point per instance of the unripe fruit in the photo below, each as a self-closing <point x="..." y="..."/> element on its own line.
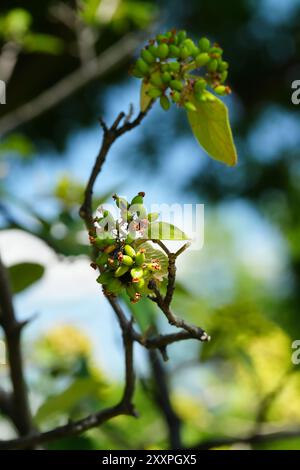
<point x="223" y="76"/>
<point x="200" y="85"/>
<point x="212" y="65"/>
<point x="121" y="270"/>
<point x="166" y="77"/>
<point x="190" y="106"/>
<point x="129" y="251"/>
<point x="140" y="285"/>
<point x="204" y="44"/>
<point x="127" y="260"/>
<point x="175" y="96"/>
<point x="174" y="51"/>
<point x="165" y="103"/>
<point x="184" y="52"/>
<point x="136" y="273"/>
<point x="147" y="56"/>
<point x="162" y="51"/>
<point x="153" y="216"/>
<point x="138" y="199"/>
<point x="176" y="85"/>
<point x="137" y="73"/>
<point x="221" y="90"/>
<point x="140" y="259"/>
<point x="189" y="44"/>
<point x="154" y="93"/>
<point x="216" y="50"/>
<point x="156" y="79"/>
<point x="174" y="66"/>
<point x="142" y="66"/>
<point x="102" y="259"/>
<point x="202" y="59"/>
<point x="181" y="36"/>
<point x="223" y="66"/>
<point x="153" y="50"/>
<point x="120" y="202"/>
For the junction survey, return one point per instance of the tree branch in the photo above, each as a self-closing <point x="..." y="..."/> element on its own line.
<point x="94" y="68"/>
<point x="12" y="330"/>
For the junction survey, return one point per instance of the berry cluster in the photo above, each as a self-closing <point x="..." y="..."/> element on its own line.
<point x="165" y="65"/>
<point x="124" y="259"/>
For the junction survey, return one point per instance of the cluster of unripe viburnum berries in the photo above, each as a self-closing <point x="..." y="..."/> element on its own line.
<point x="166" y="63"/>
<point x="125" y="260"/>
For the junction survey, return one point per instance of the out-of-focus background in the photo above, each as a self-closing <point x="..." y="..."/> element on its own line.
<point x="65" y="64"/>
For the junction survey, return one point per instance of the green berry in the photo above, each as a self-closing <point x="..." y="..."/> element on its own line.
<point x="165" y="103"/>
<point x="176" y="85"/>
<point x="212" y="65"/>
<point x="223" y="66"/>
<point x="189" y="44"/>
<point x="154" y="93"/>
<point x="184" y="52"/>
<point x="153" y="50"/>
<point x="140" y="285"/>
<point x="174" y="66"/>
<point x="202" y="59"/>
<point x="200" y="85"/>
<point x="142" y="66"/>
<point x="129" y="251"/>
<point x="138" y="199"/>
<point x="175" y="96"/>
<point x="140" y="259"/>
<point x="121" y="270"/>
<point x="181" y="36"/>
<point x="221" y="90"/>
<point x="190" y="106"/>
<point x="223" y="76"/>
<point x="166" y="77"/>
<point x="136" y="273"/>
<point x="174" y="51"/>
<point x="156" y="79"/>
<point x="147" y="56"/>
<point x="204" y="44"/>
<point x="163" y="51"/>
<point x="127" y="260"/>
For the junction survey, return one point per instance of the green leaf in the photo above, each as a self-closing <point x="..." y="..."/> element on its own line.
<point x="211" y="127"/>
<point x="145" y="100"/>
<point x="23" y="275"/>
<point x="164" y="231"/>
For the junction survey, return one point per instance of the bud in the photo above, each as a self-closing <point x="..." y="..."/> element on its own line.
<point x="200" y="85"/>
<point x="120" y="202"/>
<point x="165" y="104"/>
<point x="184" y="52"/>
<point x="181" y="36"/>
<point x="212" y="65"/>
<point x="174" y="51"/>
<point x="223" y="66"/>
<point x="142" y="66"/>
<point x="129" y="251"/>
<point x="174" y="66"/>
<point x="127" y="260"/>
<point x="162" y="51"/>
<point x="166" y="77"/>
<point x="140" y="285"/>
<point x="121" y="270"/>
<point x="147" y="56"/>
<point x="136" y="274"/>
<point x="221" y="90"/>
<point x="138" y="199"/>
<point x="189" y="44"/>
<point x="154" y="93"/>
<point x="223" y="76"/>
<point x="176" y="85"/>
<point x="202" y="59"/>
<point x="190" y="106"/>
<point x="156" y="79"/>
<point x="153" y="50"/>
<point x="140" y="258"/>
<point x="204" y="44"/>
<point x="175" y="95"/>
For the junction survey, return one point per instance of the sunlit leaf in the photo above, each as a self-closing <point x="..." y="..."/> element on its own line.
<point x="164" y="231"/>
<point x="23" y="275"/>
<point x="211" y="127"/>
